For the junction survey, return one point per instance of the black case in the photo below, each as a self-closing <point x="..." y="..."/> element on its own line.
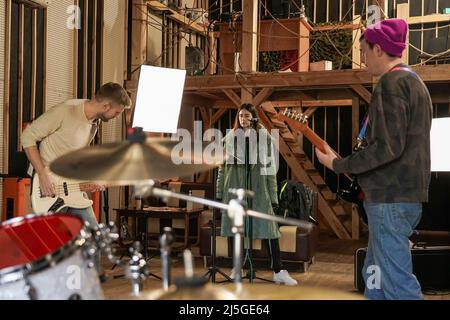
<point x="431" y="266"/>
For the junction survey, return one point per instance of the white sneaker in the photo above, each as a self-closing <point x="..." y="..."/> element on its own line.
<point x="283" y="277"/>
<point x="233" y="274"/>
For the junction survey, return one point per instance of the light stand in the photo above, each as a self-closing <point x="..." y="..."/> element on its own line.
<point x="166" y="241"/>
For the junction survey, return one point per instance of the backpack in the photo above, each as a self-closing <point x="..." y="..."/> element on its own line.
<point x="295" y="200"/>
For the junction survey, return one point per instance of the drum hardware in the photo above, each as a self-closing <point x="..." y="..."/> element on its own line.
<point x="137" y="270"/>
<point x="236" y="211"/>
<point x="166" y="241"/>
<point x="30" y="290"/>
<point x="99" y="242"/>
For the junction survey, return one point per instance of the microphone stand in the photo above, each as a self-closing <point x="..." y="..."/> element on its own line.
<point x="251" y="275"/>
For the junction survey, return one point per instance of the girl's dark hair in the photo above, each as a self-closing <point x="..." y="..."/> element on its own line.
<point x="250" y="108"/>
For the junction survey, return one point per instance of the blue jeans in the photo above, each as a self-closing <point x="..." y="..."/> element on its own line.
<point x="387" y="269"/>
<point x="86" y="214"/>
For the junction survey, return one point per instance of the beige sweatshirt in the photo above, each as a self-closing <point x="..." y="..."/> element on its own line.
<point x="62" y="129"/>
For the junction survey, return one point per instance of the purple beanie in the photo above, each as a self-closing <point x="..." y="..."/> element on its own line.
<point x="389" y="34"/>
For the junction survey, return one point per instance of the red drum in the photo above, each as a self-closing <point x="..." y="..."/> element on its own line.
<point x="45" y="257"/>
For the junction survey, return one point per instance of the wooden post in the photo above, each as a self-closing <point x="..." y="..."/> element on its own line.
<point x="138" y="40"/>
<point x="249" y="43"/>
<point x="303" y="47"/>
<point x="403" y="13"/>
<point x="356" y="55"/>
<point x="139" y="36"/>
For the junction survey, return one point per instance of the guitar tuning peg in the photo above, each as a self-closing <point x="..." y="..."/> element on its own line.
<point x="305" y="118"/>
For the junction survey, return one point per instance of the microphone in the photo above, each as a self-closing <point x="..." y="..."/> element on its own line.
<point x="254" y="122"/>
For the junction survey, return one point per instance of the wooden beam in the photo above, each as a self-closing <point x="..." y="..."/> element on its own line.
<point x="345" y="26"/>
<point x="33" y="64"/>
<point x="216" y="117"/>
<point x="20" y="90"/>
<point x="434" y="73"/>
<point x="192" y="99"/>
<point x="233" y="97"/>
<point x="6" y="89"/>
<point x="362" y="92"/>
<point x="76" y="53"/>
<point x="431" y="18"/>
<point x="262" y="96"/>
<point x="179" y="18"/>
<point x="312" y="103"/>
<point x="303" y="48"/>
<point x="335" y="79"/>
<point x="139" y="37"/>
<point x="86" y="40"/>
<point x="249" y="35"/>
<point x="281" y="80"/>
<point x="208" y="95"/>
<point x="249" y="42"/>
<point x="206" y="118"/>
<point x="403" y="13"/>
<point x="356" y="47"/>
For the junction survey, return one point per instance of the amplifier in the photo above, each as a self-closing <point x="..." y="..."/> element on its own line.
<point x="431" y="266"/>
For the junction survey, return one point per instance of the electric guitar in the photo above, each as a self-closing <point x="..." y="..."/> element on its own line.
<point x="68" y="193"/>
<point x="299" y="122"/>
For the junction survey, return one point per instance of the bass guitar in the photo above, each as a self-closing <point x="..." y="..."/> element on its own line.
<point x="68" y="193"/>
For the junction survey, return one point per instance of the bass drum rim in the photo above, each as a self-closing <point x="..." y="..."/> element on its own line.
<point x="21" y="271"/>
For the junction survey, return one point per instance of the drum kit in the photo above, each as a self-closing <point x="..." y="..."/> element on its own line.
<point x="55" y="256"/>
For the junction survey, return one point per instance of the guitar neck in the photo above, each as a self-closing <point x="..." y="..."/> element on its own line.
<point x="317" y="141"/>
<point x="312" y="137"/>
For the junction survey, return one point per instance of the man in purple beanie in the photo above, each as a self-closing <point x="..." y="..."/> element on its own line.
<point x="392" y="164"/>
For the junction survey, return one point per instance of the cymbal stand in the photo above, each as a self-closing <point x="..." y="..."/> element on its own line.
<point x="137" y="269"/>
<point x="166" y="240"/>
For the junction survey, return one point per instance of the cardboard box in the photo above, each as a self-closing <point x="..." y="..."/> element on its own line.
<point x="321" y="65"/>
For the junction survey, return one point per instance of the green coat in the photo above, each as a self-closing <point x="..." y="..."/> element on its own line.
<point x="264" y="186"/>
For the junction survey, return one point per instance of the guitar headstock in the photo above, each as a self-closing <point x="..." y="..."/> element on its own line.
<point x="299" y="117"/>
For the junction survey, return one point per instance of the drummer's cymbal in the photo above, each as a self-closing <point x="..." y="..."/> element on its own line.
<point x="248" y="292"/>
<point x="281" y="292"/>
<point x="208" y="292"/>
<point x="129" y="162"/>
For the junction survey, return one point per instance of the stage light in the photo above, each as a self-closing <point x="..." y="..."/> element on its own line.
<point x="158" y="101"/>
